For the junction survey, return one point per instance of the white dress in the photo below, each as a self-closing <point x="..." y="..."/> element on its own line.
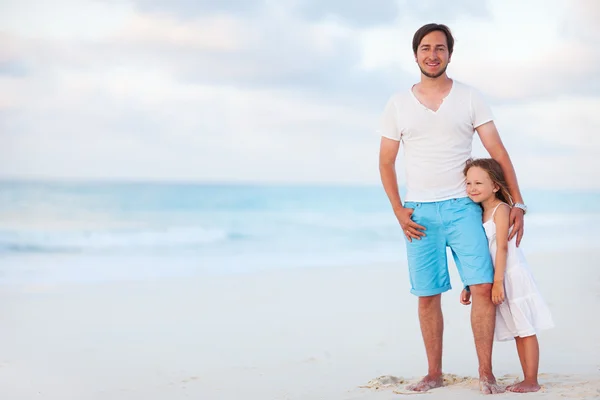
<point x="523" y="312"/>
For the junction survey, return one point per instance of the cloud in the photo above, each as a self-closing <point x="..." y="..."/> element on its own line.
<point x="64" y="20"/>
<point x="537" y="58"/>
<point x="146" y="125"/>
<point x="552" y="142"/>
<point x="12" y="61"/>
<point x="286" y="53"/>
<point x="544" y="121"/>
<point x="261" y="52"/>
<point x="558" y="171"/>
<point x="353" y="12"/>
<point x="13" y="68"/>
<point x="279" y="91"/>
<point x="213" y="34"/>
<point x="217" y="42"/>
<point x="545" y="75"/>
<point x="440" y="10"/>
<point x="581" y="21"/>
<point x="193" y="8"/>
<point x="510" y="55"/>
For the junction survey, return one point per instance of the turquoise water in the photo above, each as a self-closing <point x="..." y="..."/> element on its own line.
<point x="143" y="228"/>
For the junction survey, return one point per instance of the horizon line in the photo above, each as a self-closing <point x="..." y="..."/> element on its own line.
<point x="151" y="181"/>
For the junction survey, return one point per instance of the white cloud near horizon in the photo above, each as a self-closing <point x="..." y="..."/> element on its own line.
<point x="286" y="91"/>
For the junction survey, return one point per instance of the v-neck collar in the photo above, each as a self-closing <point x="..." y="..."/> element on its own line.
<point x="414" y="96"/>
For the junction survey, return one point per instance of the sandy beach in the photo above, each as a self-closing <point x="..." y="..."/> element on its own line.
<point x="306" y="333"/>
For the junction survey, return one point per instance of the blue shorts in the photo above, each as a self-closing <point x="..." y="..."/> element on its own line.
<point x="454" y="223"/>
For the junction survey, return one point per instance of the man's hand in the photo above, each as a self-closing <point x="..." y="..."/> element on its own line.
<point x="411" y="229"/>
<point x="498" y="292"/>
<point x="516" y="221"/>
<point x="465" y="297"/>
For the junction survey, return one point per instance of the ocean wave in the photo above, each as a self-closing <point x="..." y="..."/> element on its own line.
<point x="562" y="219"/>
<point x="24" y="241"/>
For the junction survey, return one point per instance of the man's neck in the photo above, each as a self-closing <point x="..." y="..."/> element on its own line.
<point x="439" y="83"/>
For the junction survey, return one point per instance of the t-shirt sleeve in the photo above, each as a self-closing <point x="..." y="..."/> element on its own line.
<point x="481" y="112"/>
<point x="388" y="126"/>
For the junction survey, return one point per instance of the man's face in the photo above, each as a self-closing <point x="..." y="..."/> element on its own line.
<point x="432" y="54"/>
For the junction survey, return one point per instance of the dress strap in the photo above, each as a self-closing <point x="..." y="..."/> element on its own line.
<point x="498" y="205"/>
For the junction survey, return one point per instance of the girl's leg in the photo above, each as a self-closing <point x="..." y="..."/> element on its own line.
<point x="529" y="355"/>
<point x="521" y="353"/>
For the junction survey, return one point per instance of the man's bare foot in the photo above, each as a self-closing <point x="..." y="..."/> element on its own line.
<point x="524" y="387"/>
<point x="429" y="382"/>
<point x="488" y="385"/>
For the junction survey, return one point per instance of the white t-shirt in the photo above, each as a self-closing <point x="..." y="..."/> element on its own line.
<point x="436" y="144"/>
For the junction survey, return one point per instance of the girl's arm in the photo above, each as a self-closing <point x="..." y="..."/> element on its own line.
<point x="502" y="221"/>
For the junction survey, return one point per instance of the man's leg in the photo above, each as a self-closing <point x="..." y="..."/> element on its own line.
<point x="429" y="278"/>
<point x="468" y="241"/>
<point x="432" y="329"/>
<point x="483" y="322"/>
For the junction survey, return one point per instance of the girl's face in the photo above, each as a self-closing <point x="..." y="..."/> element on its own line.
<point x="479" y="185"/>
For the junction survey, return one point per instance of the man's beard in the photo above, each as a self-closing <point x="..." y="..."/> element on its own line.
<point x="436" y="75"/>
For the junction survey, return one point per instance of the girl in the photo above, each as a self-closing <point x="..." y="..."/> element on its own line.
<point x="521" y="310"/>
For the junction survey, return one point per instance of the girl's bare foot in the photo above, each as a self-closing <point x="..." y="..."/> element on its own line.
<point x="428" y="382"/>
<point x="524" y="387"/>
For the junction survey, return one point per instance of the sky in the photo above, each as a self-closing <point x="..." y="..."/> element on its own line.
<point x="282" y="91"/>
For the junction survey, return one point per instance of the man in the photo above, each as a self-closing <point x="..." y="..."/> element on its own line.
<point x="435" y="121"/>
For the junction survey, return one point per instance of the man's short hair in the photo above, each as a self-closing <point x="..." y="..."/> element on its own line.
<point x="427" y="29"/>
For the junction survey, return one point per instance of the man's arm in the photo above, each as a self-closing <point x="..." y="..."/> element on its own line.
<point x="388" y="152"/>
<point x="490" y="138"/>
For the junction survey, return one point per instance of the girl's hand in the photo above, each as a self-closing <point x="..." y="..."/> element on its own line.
<point x="498" y="292"/>
<point x="465" y="297"/>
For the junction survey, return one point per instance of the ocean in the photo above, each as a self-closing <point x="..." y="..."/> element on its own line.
<point x="90" y="232"/>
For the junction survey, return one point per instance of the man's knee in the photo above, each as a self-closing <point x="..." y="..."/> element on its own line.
<point x="430" y="301"/>
<point x="481" y="290"/>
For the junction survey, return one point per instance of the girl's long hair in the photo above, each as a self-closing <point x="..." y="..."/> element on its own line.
<point x="494" y="170"/>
